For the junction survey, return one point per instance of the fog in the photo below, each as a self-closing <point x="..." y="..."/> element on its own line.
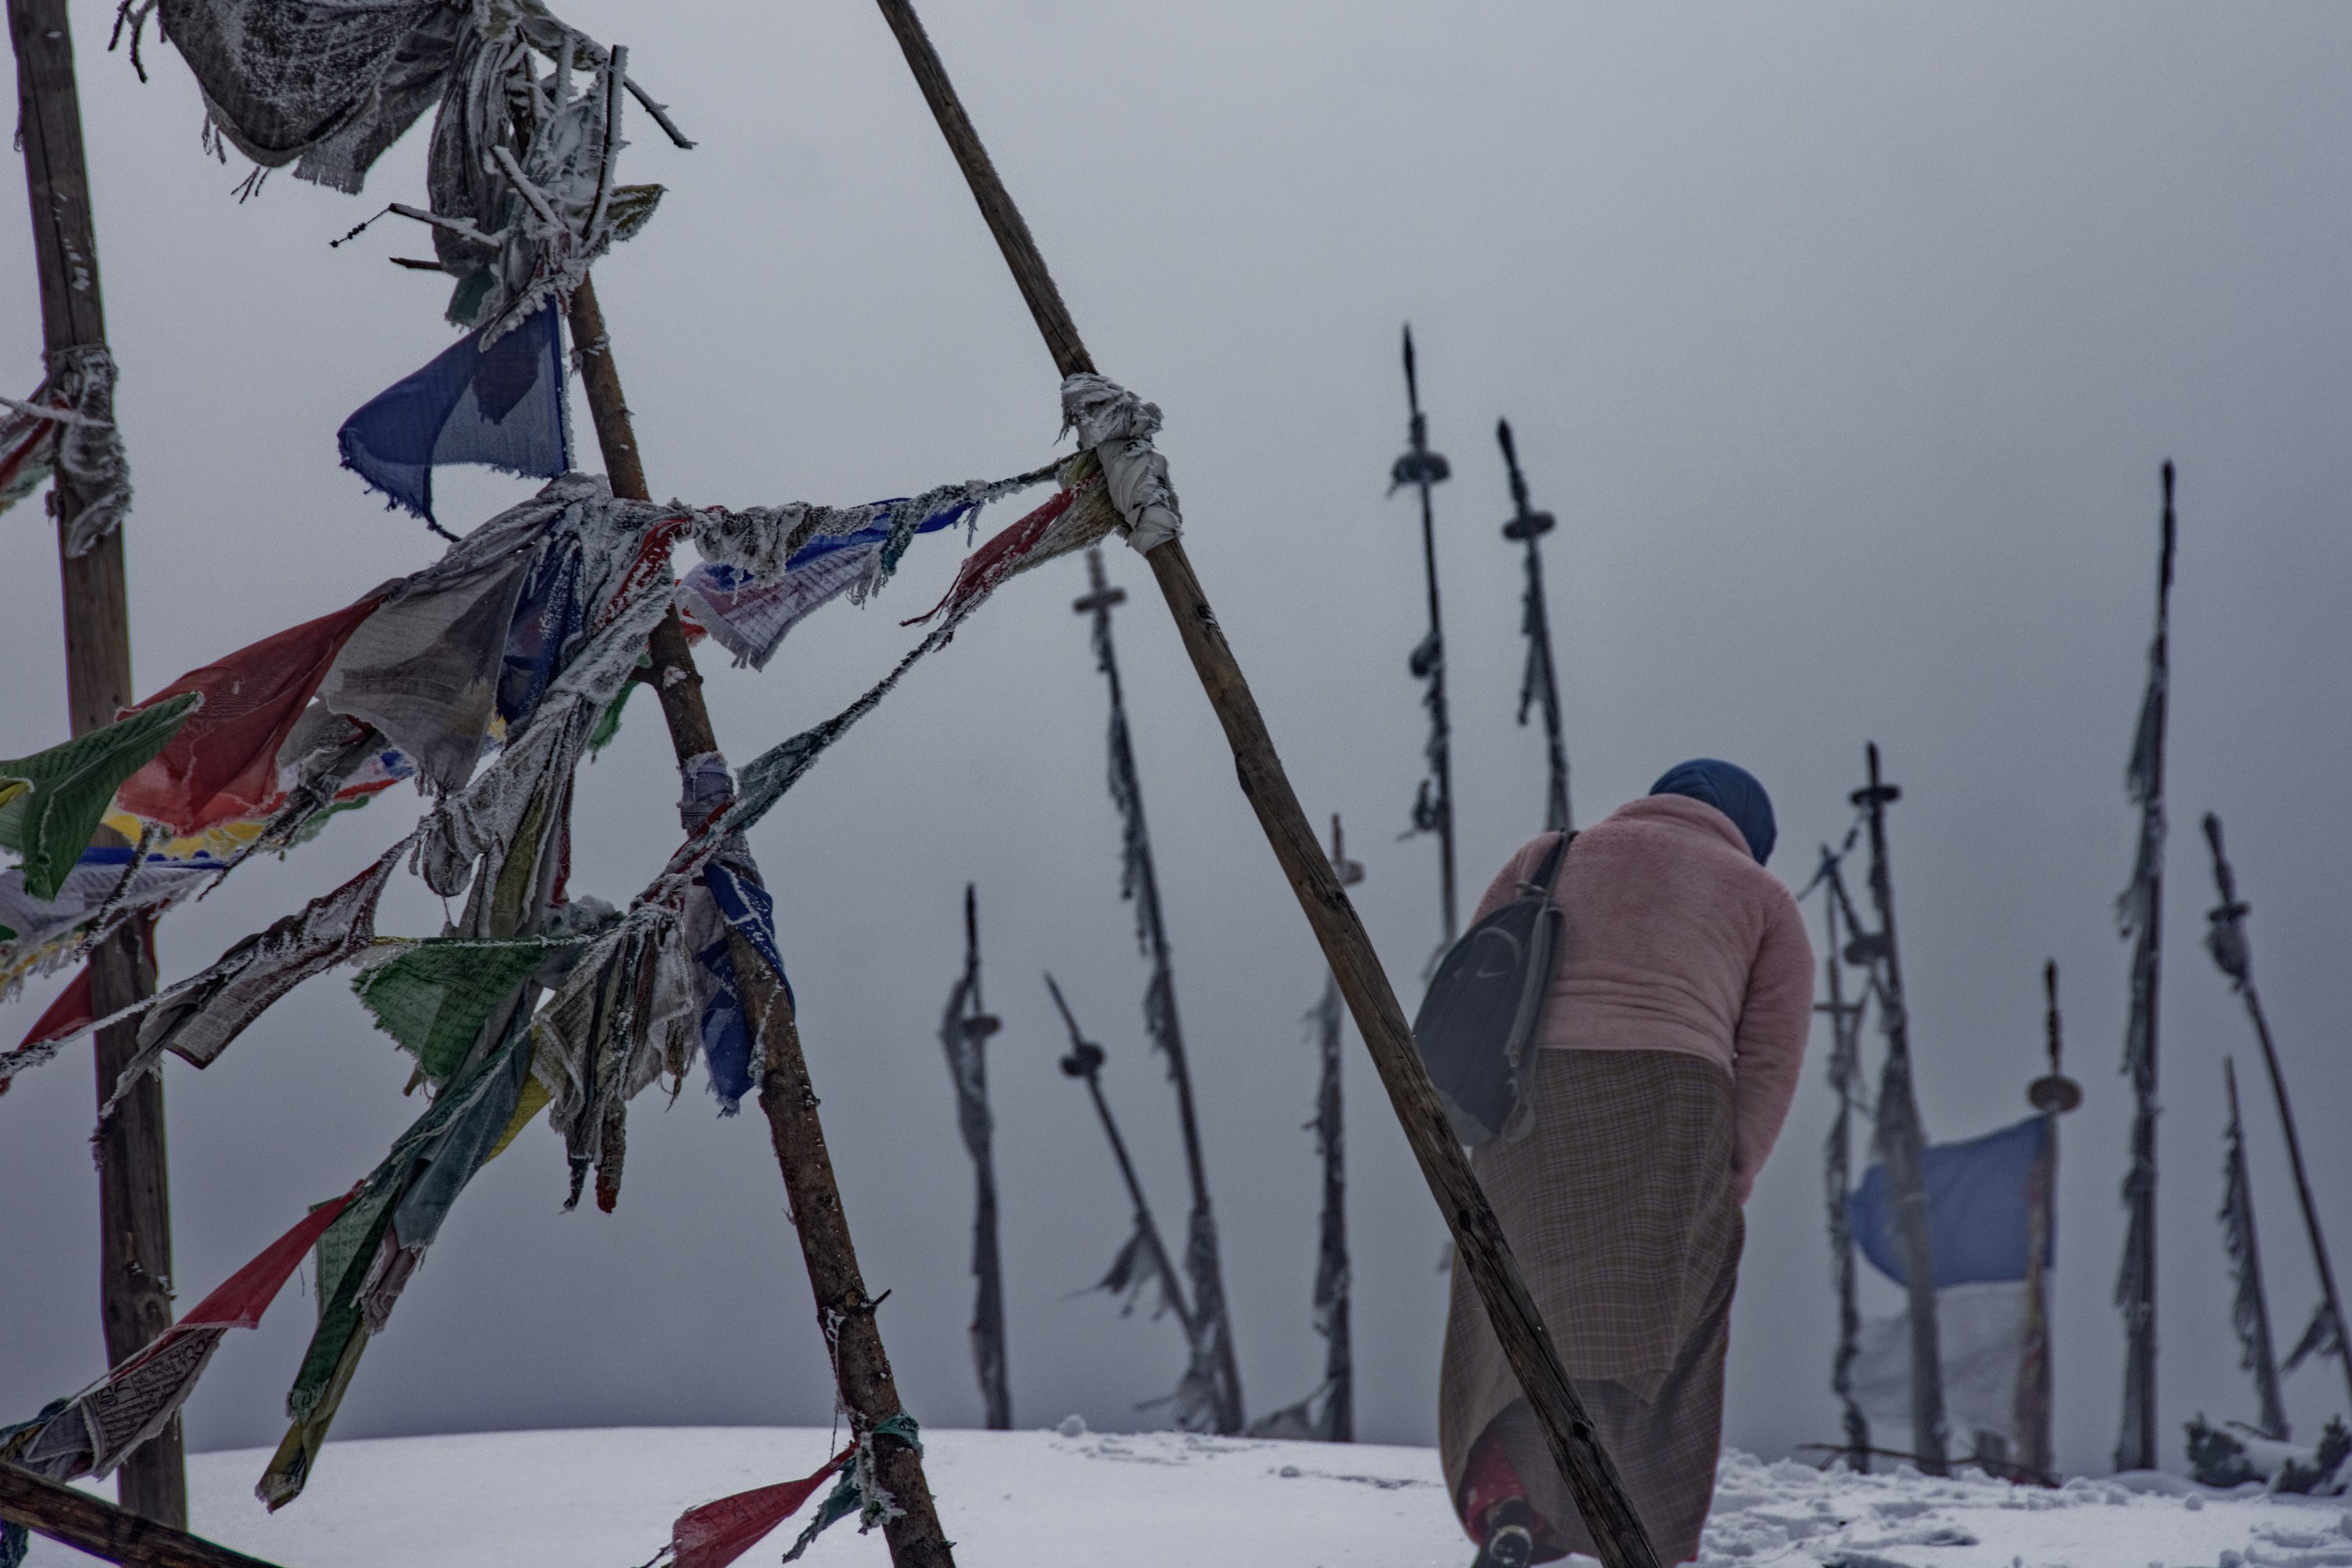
<point x="1845" y="341"/>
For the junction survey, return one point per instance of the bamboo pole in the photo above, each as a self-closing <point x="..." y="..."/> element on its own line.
<point x="1576" y="1447"/>
<point x="134" y="1192"/>
<point x="92" y="1524"/>
<point x="845" y="1312"/>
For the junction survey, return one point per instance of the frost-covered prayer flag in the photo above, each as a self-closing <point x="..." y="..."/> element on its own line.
<point x="222" y="764"/>
<point x="99" y="1429"/>
<point x="1979" y="1231"/>
<point x="501" y="406"/>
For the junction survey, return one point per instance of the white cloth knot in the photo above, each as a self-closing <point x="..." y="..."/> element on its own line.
<point x="1118" y="427"/>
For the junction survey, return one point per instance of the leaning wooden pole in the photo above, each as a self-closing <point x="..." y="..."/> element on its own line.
<point x="133" y="1191"/>
<point x="92" y="1524"/>
<point x="2226" y="942"/>
<point x="846" y="1312"/>
<point x="1576" y="1447"/>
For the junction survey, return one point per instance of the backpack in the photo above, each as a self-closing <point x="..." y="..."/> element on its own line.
<point x="1479" y="1016"/>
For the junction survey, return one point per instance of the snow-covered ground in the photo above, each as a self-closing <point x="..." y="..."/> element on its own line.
<point x="1035" y="1499"/>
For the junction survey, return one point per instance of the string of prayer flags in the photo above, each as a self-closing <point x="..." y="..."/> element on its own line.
<point x="65" y="792"/>
<point x="715" y="1534"/>
<point x="501" y="405"/>
<point x="98" y="1429"/>
<point x="69" y="423"/>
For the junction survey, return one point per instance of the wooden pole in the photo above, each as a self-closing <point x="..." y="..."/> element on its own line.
<point x="1202" y="1264"/>
<point x="845" y="1312"/>
<point x="2053" y="1095"/>
<point x="1845" y="1069"/>
<point x="134" y="1192"/>
<point x="1902" y="1143"/>
<point x="2230" y="917"/>
<point x="93" y="1525"/>
<point x="1576" y="1447"/>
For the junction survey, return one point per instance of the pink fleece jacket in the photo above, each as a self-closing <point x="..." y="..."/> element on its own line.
<point x="1678" y="940"/>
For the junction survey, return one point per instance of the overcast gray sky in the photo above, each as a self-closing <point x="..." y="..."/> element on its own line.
<point x="1844" y="339"/>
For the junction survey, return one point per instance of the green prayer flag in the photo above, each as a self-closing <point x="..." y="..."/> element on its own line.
<point x="434" y="998"/>
<point x="69" y="788"/>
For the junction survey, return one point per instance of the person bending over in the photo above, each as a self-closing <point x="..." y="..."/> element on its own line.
<point x="1666" y="1054"/>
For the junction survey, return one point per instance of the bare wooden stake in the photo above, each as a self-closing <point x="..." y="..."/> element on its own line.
<point x="96" y="1526"/>
<point x="133" y="1191"/>
<point x="1576" y="1447"/>
<point x="845" y="1312"/>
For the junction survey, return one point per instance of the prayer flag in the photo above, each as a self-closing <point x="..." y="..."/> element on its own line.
<point x="100" y="1427"/>
<point x="222" y="764"/>
<point x="717" y="1533"/>
<point x="70" y="786"/>
<point x="503" y="406"/>
<point x="198" y="1017"/>
<point x="1979" y="1213"/>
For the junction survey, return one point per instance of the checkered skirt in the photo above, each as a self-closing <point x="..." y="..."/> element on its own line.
<point x="1622" y="1207"/>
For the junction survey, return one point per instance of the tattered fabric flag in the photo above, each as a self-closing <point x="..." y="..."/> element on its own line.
<point x="198" y="1018"/>
<point x="860" y="1489"/>
<point x="367" y="1256"/>
<point x="433" y="997"/>
<point x="1077" y="515"/>
<point x="69" y="424"/>
<point x="748" y="617"/>
<point x="503" y="406"/>
<point x="329" y="84"/>
<point x="70" y="787"/>
<point x="716" y="1534"/>
<point x="1979" y="1229"/>
<point x="99" y="1429"/>
<point x="222" y="763"/>
<point x="2249" y="1311"/>
<point x="490" y="818"/>
<point x="334" y="85"/>
<point x="68" y="1017"/>
<point x="1978" y="1211"/>
<point x="423" y="669"/>
<point x="107" y="885"/>
<point x="731" y="898"/>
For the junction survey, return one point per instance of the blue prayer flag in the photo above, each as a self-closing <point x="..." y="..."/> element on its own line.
<point x="1979" y="1208"/>
<point x="727" y="1046"/>
<point x="503" y="406"/>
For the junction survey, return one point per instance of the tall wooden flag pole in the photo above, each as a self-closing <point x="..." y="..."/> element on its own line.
<point x="1540" y="683"/>
<point x="1837" y="1150"/>
<point x="2250" y="1310"/>
<point x="1593" y="1478"/>
<point x="2225" y="938"/>
<point x="1432" y="807"/>
<point x="134" y="1192"/>
<point x="2053" y="1094"/>
<point x="1217" y="1372"/>
<point x="2140" y="917"/>
<point x="1902" y="1138"/>
<point x="846" y="1312"/>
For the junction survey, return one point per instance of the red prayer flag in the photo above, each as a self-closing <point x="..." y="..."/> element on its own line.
<point x="223" y="765"/>
<point x="716" y="1534"/>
